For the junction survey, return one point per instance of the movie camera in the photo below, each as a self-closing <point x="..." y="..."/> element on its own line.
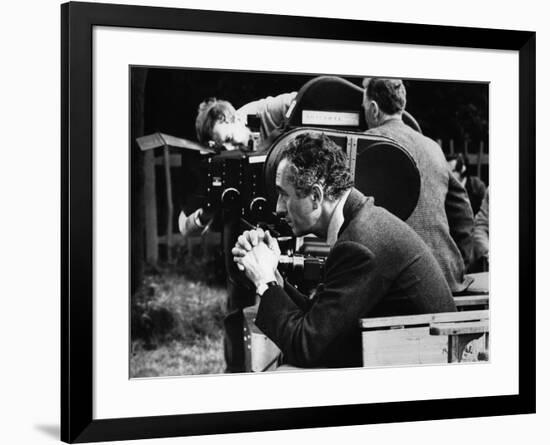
<point x="241" y="183"/>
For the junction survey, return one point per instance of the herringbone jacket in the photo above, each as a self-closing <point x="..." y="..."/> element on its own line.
<point x="443" y="216"/>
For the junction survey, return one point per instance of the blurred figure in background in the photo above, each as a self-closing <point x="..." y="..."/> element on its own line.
<point x="475" y="187"/>
<point x="481" y="236"/>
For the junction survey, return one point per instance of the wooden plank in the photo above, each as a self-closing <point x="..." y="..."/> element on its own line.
<point x="473" y="159"/>
<point x="411" y="346"/>
<point x="422" y="319"/>
<point x="462" y="302"/>
<point x="469" y="327"/>
<point x="418" y="346"/>
<point x="264" y="353"/>
<point x="176" y="142"/>
<point x="157" y="140"/>
<point x="260" y="352"/>
<point x="150" y="142"/>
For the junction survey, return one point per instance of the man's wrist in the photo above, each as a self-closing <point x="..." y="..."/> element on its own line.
<point x="198" y="221"/>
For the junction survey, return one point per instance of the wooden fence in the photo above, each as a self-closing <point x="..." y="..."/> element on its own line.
<point x="477" y="154"/>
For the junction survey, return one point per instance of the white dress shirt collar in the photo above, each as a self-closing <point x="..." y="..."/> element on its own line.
<point x="337" y="219"/>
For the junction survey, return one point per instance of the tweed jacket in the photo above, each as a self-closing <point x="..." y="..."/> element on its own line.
<point x="443" y="216"/>
<point x="378" y="266"/>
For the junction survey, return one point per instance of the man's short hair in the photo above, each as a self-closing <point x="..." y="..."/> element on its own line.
<point x="389" y="94"/>
<point x="210" y="112"/>
<point x="316" y="159"/>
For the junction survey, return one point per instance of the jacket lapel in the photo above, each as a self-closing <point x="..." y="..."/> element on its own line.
<point x="355" y="202"/>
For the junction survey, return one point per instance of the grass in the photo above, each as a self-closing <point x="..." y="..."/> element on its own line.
<point x="204" y="356"/>
<point x="177" y="321"/>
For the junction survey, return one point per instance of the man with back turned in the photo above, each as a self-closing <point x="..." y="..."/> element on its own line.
<point x="443" y="216"/>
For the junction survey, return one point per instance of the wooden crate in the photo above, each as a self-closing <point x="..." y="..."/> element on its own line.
<point x="261" y="354"/>
<point x="393" y="341"/>
<point x="472" y="302"/>
<point x="406" y="340"/>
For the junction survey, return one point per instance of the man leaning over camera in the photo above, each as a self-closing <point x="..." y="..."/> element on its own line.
<point x="377" y="264"/>
<point x="219" y="124"/>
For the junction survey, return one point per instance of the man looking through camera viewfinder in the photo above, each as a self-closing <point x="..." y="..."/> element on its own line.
<point x="377" y="265"/>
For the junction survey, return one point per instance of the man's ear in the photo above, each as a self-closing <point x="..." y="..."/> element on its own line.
<point x="317" y="195"/>
<point x="375" y="110"/>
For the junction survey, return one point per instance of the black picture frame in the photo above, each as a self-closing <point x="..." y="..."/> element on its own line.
<point x="77" y="22"/>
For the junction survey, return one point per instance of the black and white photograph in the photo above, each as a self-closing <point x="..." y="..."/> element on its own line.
<point x="268" y="222"/>
<point x="302" y="221"/>
<point x="274" y="222"/>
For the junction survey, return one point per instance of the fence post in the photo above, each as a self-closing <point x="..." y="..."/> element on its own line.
<point x="149" y="195"/>
<point x="480" y="157"/>
<point x="169" y="203"/>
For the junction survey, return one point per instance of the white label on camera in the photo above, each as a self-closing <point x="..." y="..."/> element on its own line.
<point x="335" y="118"/>
<point x="257" y="159"/>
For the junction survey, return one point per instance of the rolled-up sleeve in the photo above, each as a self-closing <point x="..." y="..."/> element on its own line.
<point x="271" y="111"/>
